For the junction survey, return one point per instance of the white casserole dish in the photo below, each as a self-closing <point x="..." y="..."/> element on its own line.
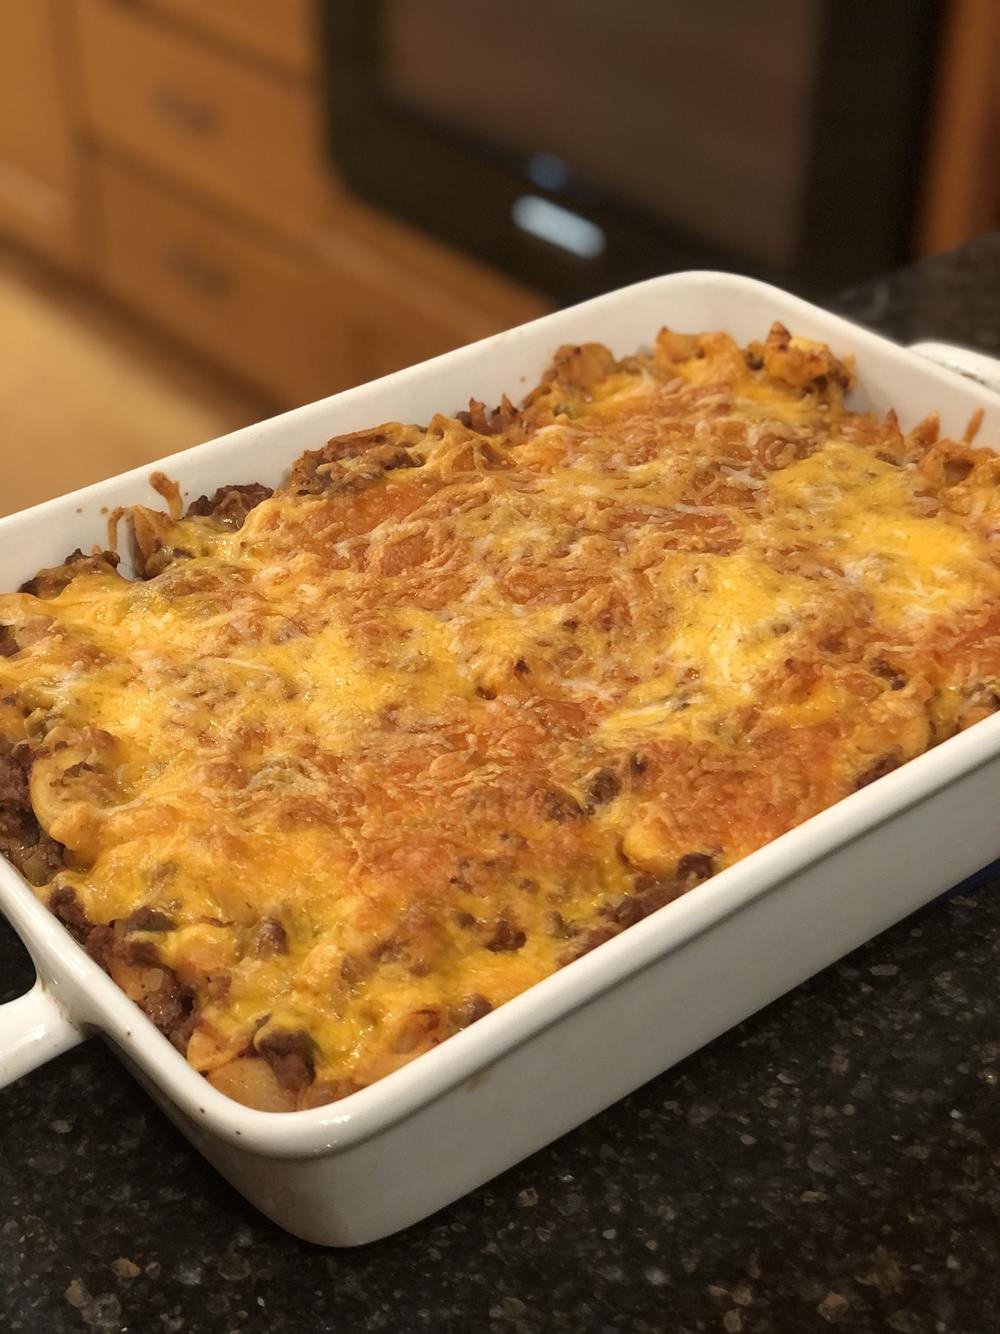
<point x="390" y="1154"/>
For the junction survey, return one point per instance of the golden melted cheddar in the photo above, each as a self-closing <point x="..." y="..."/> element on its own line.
<point x="358" y="761"/>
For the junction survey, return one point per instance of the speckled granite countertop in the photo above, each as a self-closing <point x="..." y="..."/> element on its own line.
<point x="834" y="1161"/>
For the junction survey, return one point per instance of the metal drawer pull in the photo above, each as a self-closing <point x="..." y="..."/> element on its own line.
<point x="183" y="111"/>
<point x="201" y="275"/>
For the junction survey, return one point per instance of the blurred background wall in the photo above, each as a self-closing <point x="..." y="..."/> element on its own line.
<point x="214" y="209"/>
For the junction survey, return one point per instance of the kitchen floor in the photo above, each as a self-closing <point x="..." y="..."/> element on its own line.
<point x="87" y="392"/>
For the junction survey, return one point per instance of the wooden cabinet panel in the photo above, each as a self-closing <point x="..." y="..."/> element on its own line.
<point x="245" y="306"/>
<point x="417" y="299"/>
<point x="961" y="185"/>
<point x="282" y="31"/>
<point x="240" y="133"/>
<point x="38" y="181"/>
<point x="298" y="325"/>
<point x="401" y="317"/>
<point x="459" y="291"/>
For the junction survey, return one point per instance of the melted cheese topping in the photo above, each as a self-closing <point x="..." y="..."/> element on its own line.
<point x="457" y="703"/>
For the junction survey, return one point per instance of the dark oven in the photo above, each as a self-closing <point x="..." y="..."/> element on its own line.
<point x="579" y="144"/>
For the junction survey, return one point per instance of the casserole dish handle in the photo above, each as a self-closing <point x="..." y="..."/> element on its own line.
<point x="33" y="1029"/>
<point x="978" y="366"/>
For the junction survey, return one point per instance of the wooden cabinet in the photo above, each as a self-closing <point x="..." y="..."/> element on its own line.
<point x="38" y="155"/>
<point x="193" y="131"/>
<point x="281" y="32"/>
<point x="298" y="323"/>
<point x="961" y="184"/>
<point x="202" y="115"/>
<point x="250" y="307"/>
<point x="218" y="215"/>
<point x="465" y="291"/>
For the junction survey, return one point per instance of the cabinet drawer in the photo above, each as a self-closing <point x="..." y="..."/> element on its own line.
<point x="247" y="136"/>
<point x="244" y="306"/>
<point x="281" y="31"/>
<point x="399" y="324"/>
<point x="483" y="299"/>
<point x="405" y="315"/>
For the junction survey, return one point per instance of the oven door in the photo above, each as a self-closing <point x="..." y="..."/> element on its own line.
<point x="581" y="147"/>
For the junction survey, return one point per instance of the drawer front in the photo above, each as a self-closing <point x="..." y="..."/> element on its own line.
<point x="397" y="328"/>
<point x="405" y="315"/>
<point x="241" y="304"/>
<point x="240" y="133"/>
<point x="281" y="31"/>
<point x="486" y="299"/>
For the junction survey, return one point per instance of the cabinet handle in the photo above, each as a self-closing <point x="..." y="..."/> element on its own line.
<point x="184" y="112"/>
<point x="197" y="273"/>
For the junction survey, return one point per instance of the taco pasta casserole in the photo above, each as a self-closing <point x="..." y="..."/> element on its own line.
<point x="352" y="763"/>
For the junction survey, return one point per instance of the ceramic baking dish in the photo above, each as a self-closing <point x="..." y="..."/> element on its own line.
<point x="392" y="1153"/>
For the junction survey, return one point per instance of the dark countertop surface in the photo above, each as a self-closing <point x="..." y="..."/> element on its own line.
<point x="834" y="1161"/>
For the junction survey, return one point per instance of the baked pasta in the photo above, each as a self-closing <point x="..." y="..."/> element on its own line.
<point x="352" y="763"/>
